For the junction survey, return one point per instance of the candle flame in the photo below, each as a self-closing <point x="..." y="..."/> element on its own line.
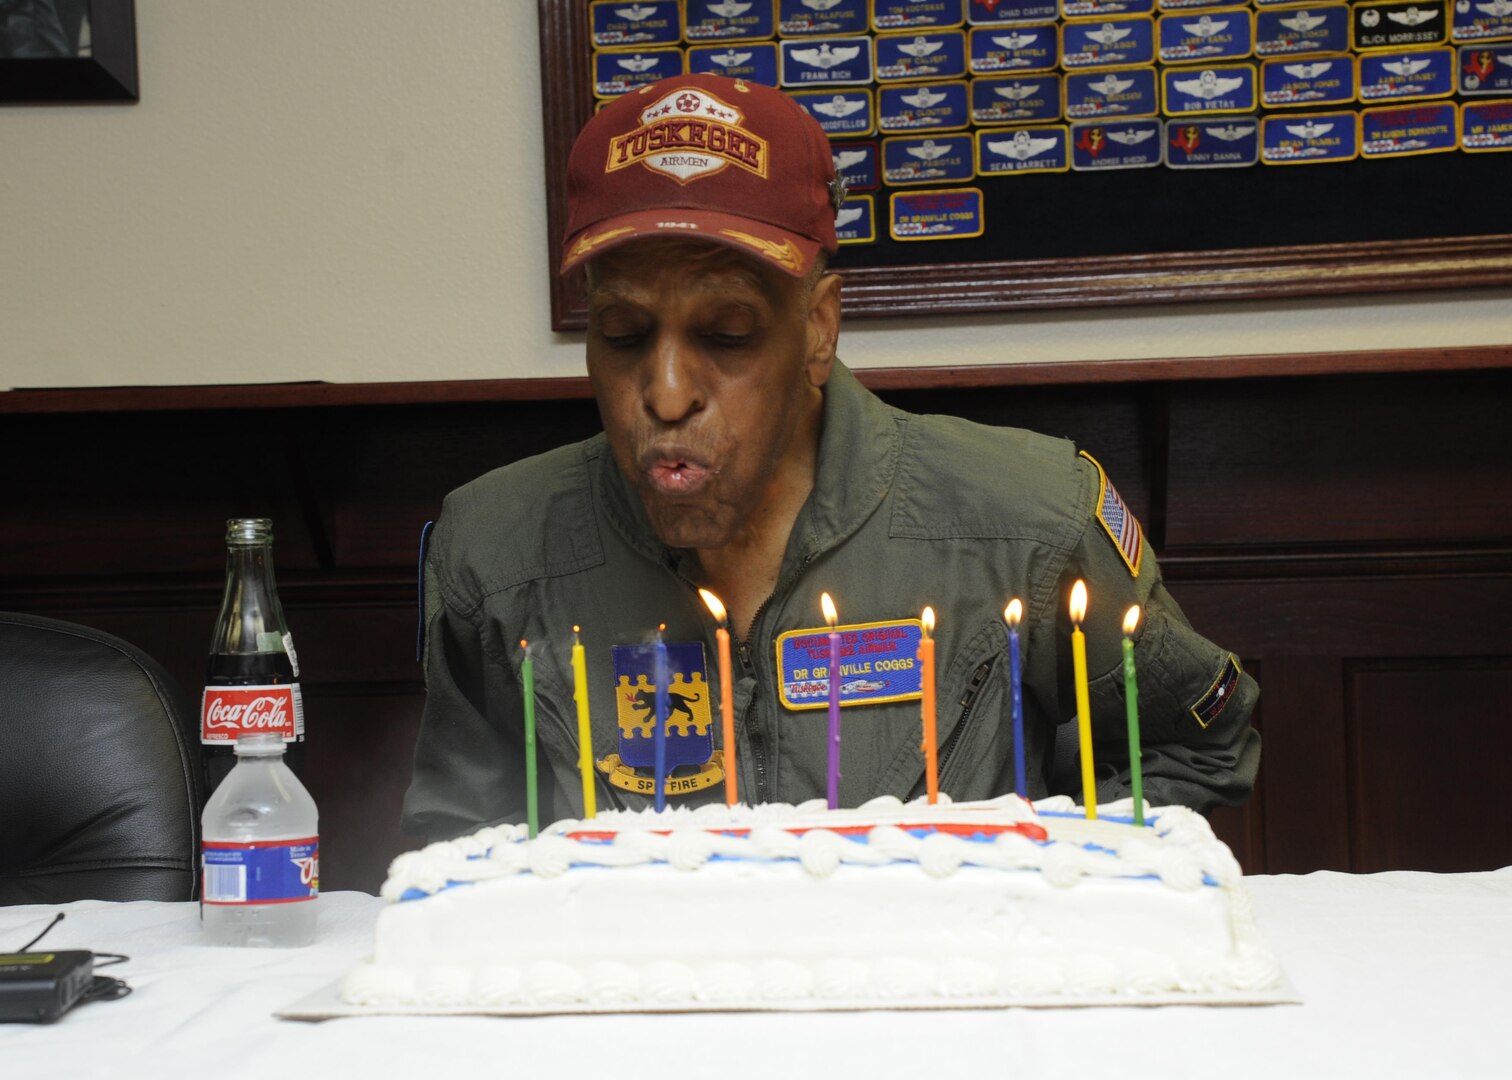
<point x="830" y="615"/>
<point x="1013" y="613"/>
<point x="715" y="607"/>
<point x="525" y="645"/>
<point x="1078" y="601"/>
<point x="1131" y="620"/>
<point x="661" y="628"/>
<point x="928" y="621"/>
<point x="576" y="629"/>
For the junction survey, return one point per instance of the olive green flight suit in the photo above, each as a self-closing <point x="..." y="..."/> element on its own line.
<point x="906" y="511"/>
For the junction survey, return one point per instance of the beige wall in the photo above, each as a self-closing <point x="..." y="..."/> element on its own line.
<point x="352" y="190"/>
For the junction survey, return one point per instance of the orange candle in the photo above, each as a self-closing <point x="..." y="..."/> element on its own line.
<point x="726" y="697"/>
<point x="1083" y="699"/>
<point x="927" y="685"/>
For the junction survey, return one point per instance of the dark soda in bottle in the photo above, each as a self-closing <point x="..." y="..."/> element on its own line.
<point x="252" y="680"/>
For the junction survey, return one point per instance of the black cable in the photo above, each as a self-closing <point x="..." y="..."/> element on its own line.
<point x="56" y="920"/>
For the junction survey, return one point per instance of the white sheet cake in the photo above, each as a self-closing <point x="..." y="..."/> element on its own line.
<point x="782" y="907"/>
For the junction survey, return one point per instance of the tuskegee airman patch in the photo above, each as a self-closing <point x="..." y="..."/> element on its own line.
<point x="1117" y="521"/>
<point x="1212" y="703"/>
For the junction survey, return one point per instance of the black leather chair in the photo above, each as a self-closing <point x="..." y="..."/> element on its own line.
<point x="99" y="769"/>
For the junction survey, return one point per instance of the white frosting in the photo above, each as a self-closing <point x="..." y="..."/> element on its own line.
<point x="780" y="905"/>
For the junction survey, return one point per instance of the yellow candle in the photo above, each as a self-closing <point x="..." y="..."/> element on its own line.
<point x="1083" y="700"/>
<point x="585" y="730"/>
<point x="726" y="696"/>
<point x="927" y="684"/>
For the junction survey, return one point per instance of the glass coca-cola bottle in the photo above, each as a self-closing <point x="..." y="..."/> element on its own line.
<point x="252" y="683"/>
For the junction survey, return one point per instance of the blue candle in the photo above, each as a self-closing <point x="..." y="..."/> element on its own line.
<point x="660" y="735"/>
<point x="1011" y="615"/>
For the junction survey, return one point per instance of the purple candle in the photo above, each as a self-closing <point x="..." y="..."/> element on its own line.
<point x="831" y="617"/>
<point x="660" y="735"/>
<point x="1011" y="615"/>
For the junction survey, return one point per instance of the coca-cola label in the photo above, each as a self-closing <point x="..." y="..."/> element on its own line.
<point x="227" y="712"/>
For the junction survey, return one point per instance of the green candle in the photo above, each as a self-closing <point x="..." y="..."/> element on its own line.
<point x="527" y="677"/>
<point x="1131" y="703"/>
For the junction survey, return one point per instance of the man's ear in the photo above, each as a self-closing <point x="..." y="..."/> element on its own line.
<point x="823" y="329"/>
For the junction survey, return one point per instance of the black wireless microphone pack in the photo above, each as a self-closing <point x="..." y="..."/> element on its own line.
<point x="39" y="987"/>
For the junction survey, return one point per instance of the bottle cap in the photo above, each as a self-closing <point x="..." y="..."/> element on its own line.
<point x="259" y="744"/>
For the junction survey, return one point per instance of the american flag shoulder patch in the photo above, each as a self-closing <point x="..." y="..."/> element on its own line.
<point x="1212" y="703"/>
<point x="1117" y="520"/>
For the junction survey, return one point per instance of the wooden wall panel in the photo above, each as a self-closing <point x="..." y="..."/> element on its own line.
<point x="1429" y="740"/>
<point x="1346" y="534"/>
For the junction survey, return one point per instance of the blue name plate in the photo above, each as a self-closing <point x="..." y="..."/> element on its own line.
<point x="1481" y="20"/>
<point x="1229" y="88"/>
<point x="953" y="214"/>
<point x="808" y="18"/>
<point x="1024" y="150"/>
<point x="1102" y="9"/>
<point x="922" y="107"/>
<point x="618" y="25"/>
<point x="831" y="62"/>
<point x="1406" y="76"/>
<point x="856" y="223"/>
<point x="730" y="20"/>
<point x="945" y="159"/>
<point x="1185" y="5"/>
<point x="916" y="14"/>
<point x="1023" y="99"/>
<point x="753" y="62"/>
<point x="1398" y="25"/>
<point x="841" y="113"/>
<point x="1098" y="145"/>
<point x="878" y="662"/>
<point x="1307" y="82"/>
<point x="1485" y="70"/>
<point x="1007" y="12"/>
<point x="1309" y="138"/>
<point x="1118" y="93"/>
<point x="1410" y="130"/>
<point x="1015" y="49"/>
<point x="616" y="73"/>
<point x="1299" y="31"/>
<point x="1232" y="142"/>
<point x="1117" y="42"/>
<point x="1486" y="126"/>
<point x="1222" y="34"/>
<point x="859" y="164"/>
<point x="939" y="55"/>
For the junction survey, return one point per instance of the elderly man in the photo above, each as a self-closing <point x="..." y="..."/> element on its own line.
<point x="740" y="456"/>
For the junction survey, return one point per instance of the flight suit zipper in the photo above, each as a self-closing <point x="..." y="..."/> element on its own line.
<point x="968" y="699"/>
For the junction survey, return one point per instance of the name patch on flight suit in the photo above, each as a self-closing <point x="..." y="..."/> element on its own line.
<point x="1211" y="705"/>
<point x="1117" y="521"/>
<point x="879" y="662"/>
<point x="689" y="743"/>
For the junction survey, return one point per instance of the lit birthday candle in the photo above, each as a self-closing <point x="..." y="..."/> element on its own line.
<point x="660" y="735"/>
<point x="1131" y="703"/>
<point x="927" y="703"/>
<point x="585" y="729"/>
<point x="1083" y="702"/>
<point x="726" y="696"/>
<point x="527" y="680"/>
<point x="1012" y="614"/>
<point x="833" y="771"/>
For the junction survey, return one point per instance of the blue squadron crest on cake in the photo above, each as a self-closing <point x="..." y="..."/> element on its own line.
<point x="687" y="725"/>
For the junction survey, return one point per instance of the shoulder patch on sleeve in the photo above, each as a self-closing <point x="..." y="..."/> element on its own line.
<point x="1117" y="521"/>
<point x="1212" y="703"/>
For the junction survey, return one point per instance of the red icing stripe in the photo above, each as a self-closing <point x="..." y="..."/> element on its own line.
<point x="1023" y="828"/>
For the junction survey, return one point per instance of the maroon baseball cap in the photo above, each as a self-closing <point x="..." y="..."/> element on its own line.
<point x="703" y="156"/>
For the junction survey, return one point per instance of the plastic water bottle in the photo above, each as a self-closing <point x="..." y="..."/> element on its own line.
<point x="260" y="852"/>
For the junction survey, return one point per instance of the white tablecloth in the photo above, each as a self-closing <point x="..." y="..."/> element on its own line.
<point x="1401" y="975"/>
